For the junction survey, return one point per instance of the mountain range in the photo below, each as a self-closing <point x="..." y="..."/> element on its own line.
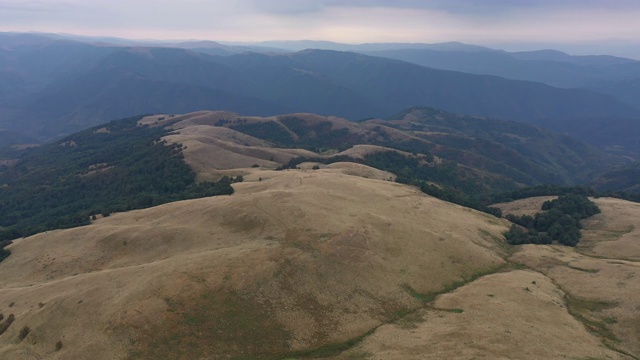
<point x="55" y="86"/>
<point x="315" y="200"/>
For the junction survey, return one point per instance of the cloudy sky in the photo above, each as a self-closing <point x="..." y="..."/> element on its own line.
<point x="519" y="23"/>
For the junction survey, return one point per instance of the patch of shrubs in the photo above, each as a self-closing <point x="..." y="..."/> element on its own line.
<point x="6" y="323"/>
<point x="559" y="222"/>
<point x="23" y="333"/>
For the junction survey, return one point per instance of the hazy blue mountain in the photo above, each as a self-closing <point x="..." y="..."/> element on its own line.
<point x="601" y="73"/>
<point x="54" y="87"/>
<point x="35" y="60"/>
<point x="299" y="45"/>
<point x="559" y="56"/>
<point x="480" y="142"/>
<point x="396" y="85"/>
<point x="627" y="90"/>
<point x="615" y="76"/>
<point x="550" y="67"/>
<point x="623" y="178"/>
<point x="204" y="46"/>
<point x="137" y="81"/>
<point x="8" y="138"/>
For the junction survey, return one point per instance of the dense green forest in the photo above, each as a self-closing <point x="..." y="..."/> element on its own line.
<point x="116" y="167"/>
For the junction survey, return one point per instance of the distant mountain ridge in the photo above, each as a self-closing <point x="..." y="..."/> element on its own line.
<point x="550" y="67"/>
<point x="616" y="76"/>
<point x="90" y="84"/>
<point x="497" y="154"/>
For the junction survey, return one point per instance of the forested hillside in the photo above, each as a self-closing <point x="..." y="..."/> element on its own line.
<point x="116" y="167"/>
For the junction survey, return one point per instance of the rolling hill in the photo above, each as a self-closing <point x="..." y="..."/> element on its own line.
<point x="328" y="259"/>
<point x="125" y="164"/>
<point x="310" y="264"/>
<point x="521" y="153"/>
<point x="217" y="274"/>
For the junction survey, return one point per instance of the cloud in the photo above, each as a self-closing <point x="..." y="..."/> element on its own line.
<point x="470" y="7"/>
<point x="16" y="7"/>
<point x="479" y="21"/>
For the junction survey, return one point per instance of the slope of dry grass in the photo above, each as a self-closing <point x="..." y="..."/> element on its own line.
<point x="214" y="151"/>
<point x="602" y="293"/>
<point x="337" y="262"/>
<point x="310" y="257"/>
<point x="569" y="305"/>
<point x="528" y="206"/>
<point x="512" y="315"/>
<point x="601" y="276"/>
<point x="614" y="233"/>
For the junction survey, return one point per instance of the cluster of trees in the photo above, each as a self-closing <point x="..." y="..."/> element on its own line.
<point x="123" y="167"/>
<point x="314" y="136"/>
<point x="267" y="130"/>
<point x="559" y="221"/>
<point x="321" y="136"/>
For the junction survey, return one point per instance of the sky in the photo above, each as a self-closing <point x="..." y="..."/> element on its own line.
<point x="580" y="25"/>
